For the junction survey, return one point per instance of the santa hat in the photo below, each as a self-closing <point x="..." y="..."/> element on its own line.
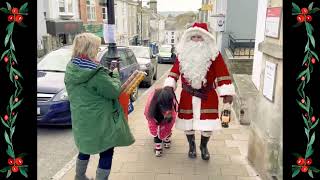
<point x="202" y="30"/>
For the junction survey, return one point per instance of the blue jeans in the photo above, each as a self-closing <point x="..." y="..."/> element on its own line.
<point x="105" y="160"/>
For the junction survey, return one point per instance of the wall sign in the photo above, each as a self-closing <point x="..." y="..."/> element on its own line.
<point x="269" y="80"/>
<point x="273" y="22"/>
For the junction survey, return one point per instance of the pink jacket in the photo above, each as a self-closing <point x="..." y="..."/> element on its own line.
<point x="164" y="129"/>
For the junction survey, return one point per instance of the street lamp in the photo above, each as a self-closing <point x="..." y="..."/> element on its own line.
<point x="112" y="59"/>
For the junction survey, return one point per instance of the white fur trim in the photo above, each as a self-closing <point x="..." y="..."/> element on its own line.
<point x="200" y="125"/>
<point x="207" y="37"/>
<point x="226" y="89"/>
<point x="171" y="82"/>
<point x="196" y="123"/>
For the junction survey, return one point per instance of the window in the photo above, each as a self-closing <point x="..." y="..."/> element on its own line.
<point x="91" y="10"/>
<point x="172" y="33"/>
<point x="65" y="6"/>
<point x="104" y="13"/>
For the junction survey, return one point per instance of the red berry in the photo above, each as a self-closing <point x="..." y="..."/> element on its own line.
<point x="16" y="77"/>
<point x="19" y="18"/>
<point x="300" y="18"/>
<point x="304" y="169"/>
<point x="15" y="10"/>
<point x="306" y="114"/>
<point x="10" y="161"/>
<point x="303" y="78"/>
<point x="10" y="18"/>
<point x="302" y="101"/>
<point x="16" y="99"/>
<point x="6" y="117"/>
<point x="6" y="59"/>
<point x="13" y="113"/>
<point x="12" y="63"/>
<point x="19" y="161"/>
<point x="300" y="161"/>
<point x="304" y="11"/>
<point x="309" y="18"/>
<point x="306" y="64"/>
<point x="309" y="161"/>
<point x="313" y="119"/>
<point x="14" y="169"/>
<point x="313" y="60"/>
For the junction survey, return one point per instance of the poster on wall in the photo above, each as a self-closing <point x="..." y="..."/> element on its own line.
<point x="269" y="80"/>
<point x="273" y="22"/>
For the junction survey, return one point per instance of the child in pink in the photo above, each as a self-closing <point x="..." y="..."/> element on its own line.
<point x="160" y="111"/>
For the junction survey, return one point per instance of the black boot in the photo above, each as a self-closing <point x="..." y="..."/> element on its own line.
<point x="192" y="146"/>
<point x="203" y="148"/>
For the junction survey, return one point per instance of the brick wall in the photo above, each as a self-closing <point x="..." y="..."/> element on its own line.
<point x="83" y="12"/>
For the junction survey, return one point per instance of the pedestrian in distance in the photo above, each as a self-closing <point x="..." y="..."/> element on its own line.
<point x="98" y="122"/>
<point x="160" y="112"/>
<point x="203" y="72"/>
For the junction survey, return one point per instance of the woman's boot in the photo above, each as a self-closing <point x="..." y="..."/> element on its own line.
<point x="192" y="146"/>
<point x="81" y="168"/>
<point x="203" y="148"/>
<point x="102" y="174"/>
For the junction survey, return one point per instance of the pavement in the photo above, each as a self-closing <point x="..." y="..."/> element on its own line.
<point x="228" y="148"/>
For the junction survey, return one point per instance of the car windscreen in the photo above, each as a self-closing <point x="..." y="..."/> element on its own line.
<point x="55" y="61"/>
<point x="165" y="49"/>
<point x="141" y="52"/>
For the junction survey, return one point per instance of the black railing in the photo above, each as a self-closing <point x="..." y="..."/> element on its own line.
<point x="241" y="44"/>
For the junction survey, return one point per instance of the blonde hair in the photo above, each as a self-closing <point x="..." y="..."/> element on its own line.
<point x="86" y="44"/>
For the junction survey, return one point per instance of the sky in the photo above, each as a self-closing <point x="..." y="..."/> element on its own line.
<point x="177" y="5"/>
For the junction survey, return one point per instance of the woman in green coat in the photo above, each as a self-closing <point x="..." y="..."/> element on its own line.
<point x="98" y="122"/>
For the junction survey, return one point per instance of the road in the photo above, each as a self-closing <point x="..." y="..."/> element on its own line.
<point x="55" y="145"/>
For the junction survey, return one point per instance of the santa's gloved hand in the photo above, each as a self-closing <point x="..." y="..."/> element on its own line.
<point x="227" y="99"/>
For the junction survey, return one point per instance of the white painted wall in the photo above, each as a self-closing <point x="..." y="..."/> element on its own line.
<point x="53" y="9"/>
<point x="260" y="28"/>
<point x="41" y="23"/>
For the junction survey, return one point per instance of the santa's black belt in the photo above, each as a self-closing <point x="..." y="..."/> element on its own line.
<point x="200" y="93"/>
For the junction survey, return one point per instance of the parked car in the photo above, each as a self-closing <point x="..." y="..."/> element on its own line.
<point x="147" y="62"/>
<point x="53" y="106"/>
<point x="164" y="55"/>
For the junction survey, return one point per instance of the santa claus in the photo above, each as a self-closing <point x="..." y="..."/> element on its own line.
<point x="204" y="77"/>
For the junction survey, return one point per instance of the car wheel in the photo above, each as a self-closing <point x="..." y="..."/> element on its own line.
<point x="134" y="95"/>
<point x="155" y="75"/>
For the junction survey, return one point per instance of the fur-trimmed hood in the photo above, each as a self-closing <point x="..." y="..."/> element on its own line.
<point x="199" y="29"/>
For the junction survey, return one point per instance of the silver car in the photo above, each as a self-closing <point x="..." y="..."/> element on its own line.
<point x="147" y="62"/>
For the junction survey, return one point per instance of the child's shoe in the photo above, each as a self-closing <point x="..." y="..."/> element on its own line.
<point x="158" y="149"/>
<point x="167" y="142"/>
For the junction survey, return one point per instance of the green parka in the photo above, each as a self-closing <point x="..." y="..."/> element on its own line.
<point x="98" y="121"/>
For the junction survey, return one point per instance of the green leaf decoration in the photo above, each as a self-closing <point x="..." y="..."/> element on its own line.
<point x="9" y="28"/>
<point x="5" y="169"/>
<point x="302" y="106"/>
<point x="299" y="90"/>
<point x="4" y="10"/>
<point x="14" y="58"/>
<point x="9" y="6"/>
<point x="307" y="103"/>
<point x="307" y="131"/>
<point x="10" y="152"/>
<point x="4" y="53"/>
<point x="310" y="173"/>
<point x="16" y="104"/>
<point x="6" y="40"/>
<point x="315" y="124"/>
<point x="313" y="137"/>
<point x="23" y="171"/>
<point x="312" y="41"/>
<point x="23" y="8"/>
<point x="305" y="50"/>
<point x="12" y="131"/>
<point x="22" y="155"/>
<point x="11" y="101"/>
<point x="310" y="6"/>
<point x="297" y="24"/>
<point x="314" y="10"/>
<point x="12" y="45"/>
<point x="297" y="156"/>
<point x="309" y="152"/>
<point x="17" y="73"/>
<point x="4" y="123"/>
<point x="295" y="172"/>
<point x="7" y="137"/>
<point x="302" y="73"/>
<point x="295" y="8"/>
<point x="14" y="118"/>
<point x="315" y="55"/>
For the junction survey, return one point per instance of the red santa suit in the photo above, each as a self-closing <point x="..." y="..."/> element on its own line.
<point x="200" y="113"/>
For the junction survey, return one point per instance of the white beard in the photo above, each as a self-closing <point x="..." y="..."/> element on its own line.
<point x="195" y="61"/>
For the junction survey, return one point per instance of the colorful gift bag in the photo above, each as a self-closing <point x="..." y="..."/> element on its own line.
<point x="124" y="100"/>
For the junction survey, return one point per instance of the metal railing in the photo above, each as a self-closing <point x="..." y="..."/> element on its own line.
<point x="241" y="45"/>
